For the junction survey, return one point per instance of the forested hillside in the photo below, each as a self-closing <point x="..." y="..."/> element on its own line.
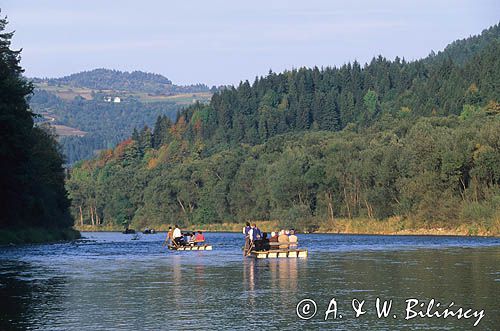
<point x="105" y="123"/>
<point x="95" y="110"/>
<point x="135" y="81"/>
<point x="418" y="141"/>
<point x="32" y="193"/>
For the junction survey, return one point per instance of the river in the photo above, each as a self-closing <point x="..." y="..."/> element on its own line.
<point x="107" y="281"/>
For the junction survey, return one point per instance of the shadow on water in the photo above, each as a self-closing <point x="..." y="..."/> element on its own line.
<point x="27" y="294"/>
<point x="112" y="282"/>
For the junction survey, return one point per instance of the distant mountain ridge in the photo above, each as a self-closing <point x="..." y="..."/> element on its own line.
<point x="135" y="81"/>
<point x="80" y="102"/>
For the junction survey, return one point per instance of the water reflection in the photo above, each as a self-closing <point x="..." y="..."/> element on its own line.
<point x="249" y="275"/>
<point x="249" y="271"/>
<point x="177" y="288"/>
<point x="283" y="274"/>
<point x="276" y="275"/>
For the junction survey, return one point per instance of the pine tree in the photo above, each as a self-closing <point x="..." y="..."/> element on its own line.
<point x="31" y="174"/>
<point x="330" y="117"/>
<point x="161" y="133"/>
<point x="135" y="135"/>
<point x="156" y="140"/>
<point x="145" y="139"/>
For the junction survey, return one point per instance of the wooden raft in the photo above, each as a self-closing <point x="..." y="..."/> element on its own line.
<point x="289" y="250"/>
<point x="191" y="248"/>
<point x="279" y="253"/>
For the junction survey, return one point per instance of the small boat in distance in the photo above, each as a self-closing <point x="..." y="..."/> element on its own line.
<point x="126" y="229"/>
<point x="149" y="231"/>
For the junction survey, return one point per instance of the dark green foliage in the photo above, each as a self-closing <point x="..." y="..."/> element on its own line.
<point x="437" y="170"/>
<point x="332" y="98"/>
<point x="161" y="133"/>
<point x="31" y="173"/>
<point x="31" y="235"/>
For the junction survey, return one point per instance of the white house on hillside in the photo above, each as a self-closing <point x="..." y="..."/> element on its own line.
<point x="113" y="99"/>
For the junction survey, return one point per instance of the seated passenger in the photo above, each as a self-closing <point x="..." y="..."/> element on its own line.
<point x="292" y="238"/>
<point x="274" y="237"/>
<point x="199" y="238"/>
<point x="255" y="235"/>
<point x="273" y="240"/>
<point x="192" y="239"/>
<point x="263" y="244"/>
<point x="283" y="240"/>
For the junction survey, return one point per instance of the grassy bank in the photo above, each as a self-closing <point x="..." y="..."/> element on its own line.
<point x="390" y="226"/>
<point x="101" y="228"/>
<point x="36" y="235"/>
<point x="399" y="226"/>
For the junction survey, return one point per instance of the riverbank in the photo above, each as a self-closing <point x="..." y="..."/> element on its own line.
<point x="399" y="226"/>
<point x="36" y="235"/>
<point x="391" y="226"/>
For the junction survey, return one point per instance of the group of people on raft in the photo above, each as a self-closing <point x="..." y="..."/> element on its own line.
<point x="257" y="240"/>
<point x="176" y="238"/>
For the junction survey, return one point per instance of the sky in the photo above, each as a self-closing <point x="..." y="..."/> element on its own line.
<point x="223" y="42"/>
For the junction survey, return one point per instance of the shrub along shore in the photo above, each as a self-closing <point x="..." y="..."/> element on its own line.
<point x="33" y="235"/>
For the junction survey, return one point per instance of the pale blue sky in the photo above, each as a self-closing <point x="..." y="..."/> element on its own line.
<point x="222" y="42"/>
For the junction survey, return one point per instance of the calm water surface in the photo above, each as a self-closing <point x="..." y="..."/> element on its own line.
<point x="109" y="282"/>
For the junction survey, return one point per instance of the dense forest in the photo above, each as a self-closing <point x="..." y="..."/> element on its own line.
<point x="32" y="191"/>
<point x="413" y="140"/>
<point x="135" y="81"/>
<point x="106" y="123"/>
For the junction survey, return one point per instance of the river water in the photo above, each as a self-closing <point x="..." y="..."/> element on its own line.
<point x="108" y="281"/>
